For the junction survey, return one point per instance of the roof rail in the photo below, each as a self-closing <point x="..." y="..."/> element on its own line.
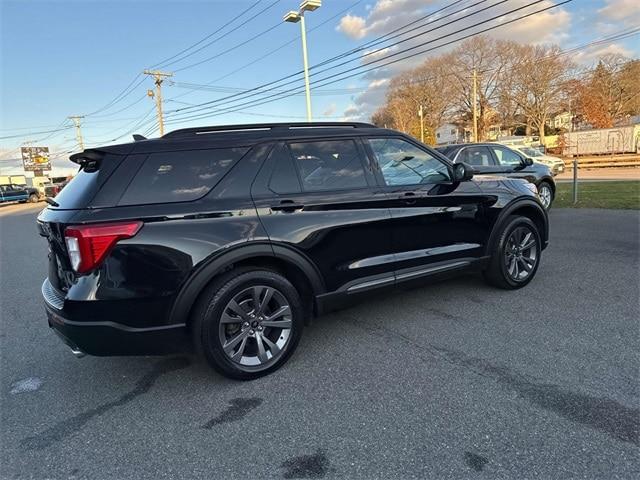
<point x="184" y="132"/>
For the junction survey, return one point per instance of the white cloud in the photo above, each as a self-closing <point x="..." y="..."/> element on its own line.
<point x="383" y="17"/>
<point x="352" y="26"/>
<point x="330" y="110"/>
<point x="626" y="11"/>
<point x="588" y="56"/>
<point x="550" y="26"/>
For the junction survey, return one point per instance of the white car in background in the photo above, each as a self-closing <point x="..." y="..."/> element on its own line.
<point x="555" y="164"/>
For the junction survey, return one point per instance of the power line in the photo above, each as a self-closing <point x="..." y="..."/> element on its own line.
<point x="277" y="49"/>
<point x="124" y="93"/>
<point x="332" y="79"/>
<point x="163" y="63"/>
<point x="221" y="101"/>
<point x="35" y="133"/>
<point x="259" y="89"/>
<point x="133" y="85"/>
<point x="228" y="50"/>
<point x="173" y="59"/>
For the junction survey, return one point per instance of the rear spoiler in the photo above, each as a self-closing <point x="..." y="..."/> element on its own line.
<point x="87" y="159"/>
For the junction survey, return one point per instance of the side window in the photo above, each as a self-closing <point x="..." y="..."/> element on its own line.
<point x="183" y="176"/>
<point x="476" y="156"/>
<point x="506" y="156"/>
<point x="329" y="165"/>
<point x="402" y="163"/>
<point x="284" y="178"/>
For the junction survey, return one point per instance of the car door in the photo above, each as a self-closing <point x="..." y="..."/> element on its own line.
<point x="319" y="198"/>
<point x="437" y="223"/>
<point x="512" y="163"/>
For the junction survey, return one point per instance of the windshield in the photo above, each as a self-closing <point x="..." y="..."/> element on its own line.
<point x="532" y="152"/>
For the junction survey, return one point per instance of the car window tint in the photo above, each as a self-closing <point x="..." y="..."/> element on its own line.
<point x="329" y="165"/>
<point x="167" y="177"/>
<point x="476" y="156"/>
<point x="506" y="156"/>
<point x="402" y="163"/>
<point x="284" y="178"/>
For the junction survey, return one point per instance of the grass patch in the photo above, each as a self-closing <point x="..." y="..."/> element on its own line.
<point x="622" y="195"/>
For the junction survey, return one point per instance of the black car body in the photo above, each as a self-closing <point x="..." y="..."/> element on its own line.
<point x="496" y="159"/>
<point x="149" y="237"/>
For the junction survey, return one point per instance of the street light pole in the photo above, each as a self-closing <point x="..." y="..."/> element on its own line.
<point x="307" y="89"/>
<point x="295" y="17"/>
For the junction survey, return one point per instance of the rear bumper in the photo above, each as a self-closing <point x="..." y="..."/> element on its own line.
<point x="109" y="338"/>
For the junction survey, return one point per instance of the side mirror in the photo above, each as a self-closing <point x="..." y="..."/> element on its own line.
<point x="462" y="172"/>
<point x="527" y="162"/>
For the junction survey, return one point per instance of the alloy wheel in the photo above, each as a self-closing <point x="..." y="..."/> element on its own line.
<point x="521" y="253"/>
<point x="545" y="196"/>
<point x="256" y="326"/>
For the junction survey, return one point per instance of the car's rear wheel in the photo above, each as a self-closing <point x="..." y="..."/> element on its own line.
<point x="248" y="323"/>
<point x="545" y="192"/>
<point x="33" y="198"/>
<point x="516" y="254"/>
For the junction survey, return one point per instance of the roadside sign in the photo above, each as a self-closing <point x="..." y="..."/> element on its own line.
<point x="35" y="158"/>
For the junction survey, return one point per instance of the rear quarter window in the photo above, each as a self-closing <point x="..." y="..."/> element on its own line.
<point x="168" y="177"/>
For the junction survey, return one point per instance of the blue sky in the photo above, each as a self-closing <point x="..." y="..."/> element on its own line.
<point x="72" y="57"/>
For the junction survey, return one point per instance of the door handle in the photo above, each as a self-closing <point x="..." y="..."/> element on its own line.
<point x="287" y="206"/>
<point x="409" y="197"/>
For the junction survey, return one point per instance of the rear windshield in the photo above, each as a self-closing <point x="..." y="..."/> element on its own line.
<point x="79" y="192"/>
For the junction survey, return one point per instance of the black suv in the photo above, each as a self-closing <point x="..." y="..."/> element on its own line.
<point x="231" y="238"/>
<point x="492" y="159"/>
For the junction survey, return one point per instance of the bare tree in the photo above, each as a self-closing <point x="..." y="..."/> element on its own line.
<point x="485" y="56"/>
<point x="428" y="86"/>
<point x="538" y="83"/>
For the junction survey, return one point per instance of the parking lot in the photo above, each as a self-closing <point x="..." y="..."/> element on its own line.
<point x="453" y="380"/>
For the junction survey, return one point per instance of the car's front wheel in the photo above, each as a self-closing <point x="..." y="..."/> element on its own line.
<point x="545" y="192"/>
<point x="516" y="254"/>
<point x="248" y="323"/>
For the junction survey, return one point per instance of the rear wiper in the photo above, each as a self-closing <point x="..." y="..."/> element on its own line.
<point x="51" y="202"/>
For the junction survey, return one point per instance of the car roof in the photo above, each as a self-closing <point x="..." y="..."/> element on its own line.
<point x="239" y="136"/>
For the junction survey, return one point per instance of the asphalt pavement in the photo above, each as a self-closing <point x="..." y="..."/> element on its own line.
<point x="451" y="380"/>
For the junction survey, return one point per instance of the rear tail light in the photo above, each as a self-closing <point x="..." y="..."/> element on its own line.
<point x="88" y="245"/>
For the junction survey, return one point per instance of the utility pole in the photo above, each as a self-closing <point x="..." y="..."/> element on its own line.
<point x="421" y="115"/>
<point x="475" y="105"/>
<point x="158" y="79"/>
<point x="76" y="121"/>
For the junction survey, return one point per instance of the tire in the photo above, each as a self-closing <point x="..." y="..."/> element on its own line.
<point x="217" y="322"/>
<point x="33" y="198"/>
<point x="545" y="192"/>
<point x="500" y="272"/>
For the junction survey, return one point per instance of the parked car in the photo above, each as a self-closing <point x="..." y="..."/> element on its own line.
<point x="495" y="159"/>
<point x="18" y="193"/>
<point x="231" y="238"/>
<point x="55" y="186"/>
<point x="555" y="164"/>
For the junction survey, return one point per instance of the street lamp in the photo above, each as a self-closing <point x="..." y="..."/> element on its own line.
<point x="295" y="17"/>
